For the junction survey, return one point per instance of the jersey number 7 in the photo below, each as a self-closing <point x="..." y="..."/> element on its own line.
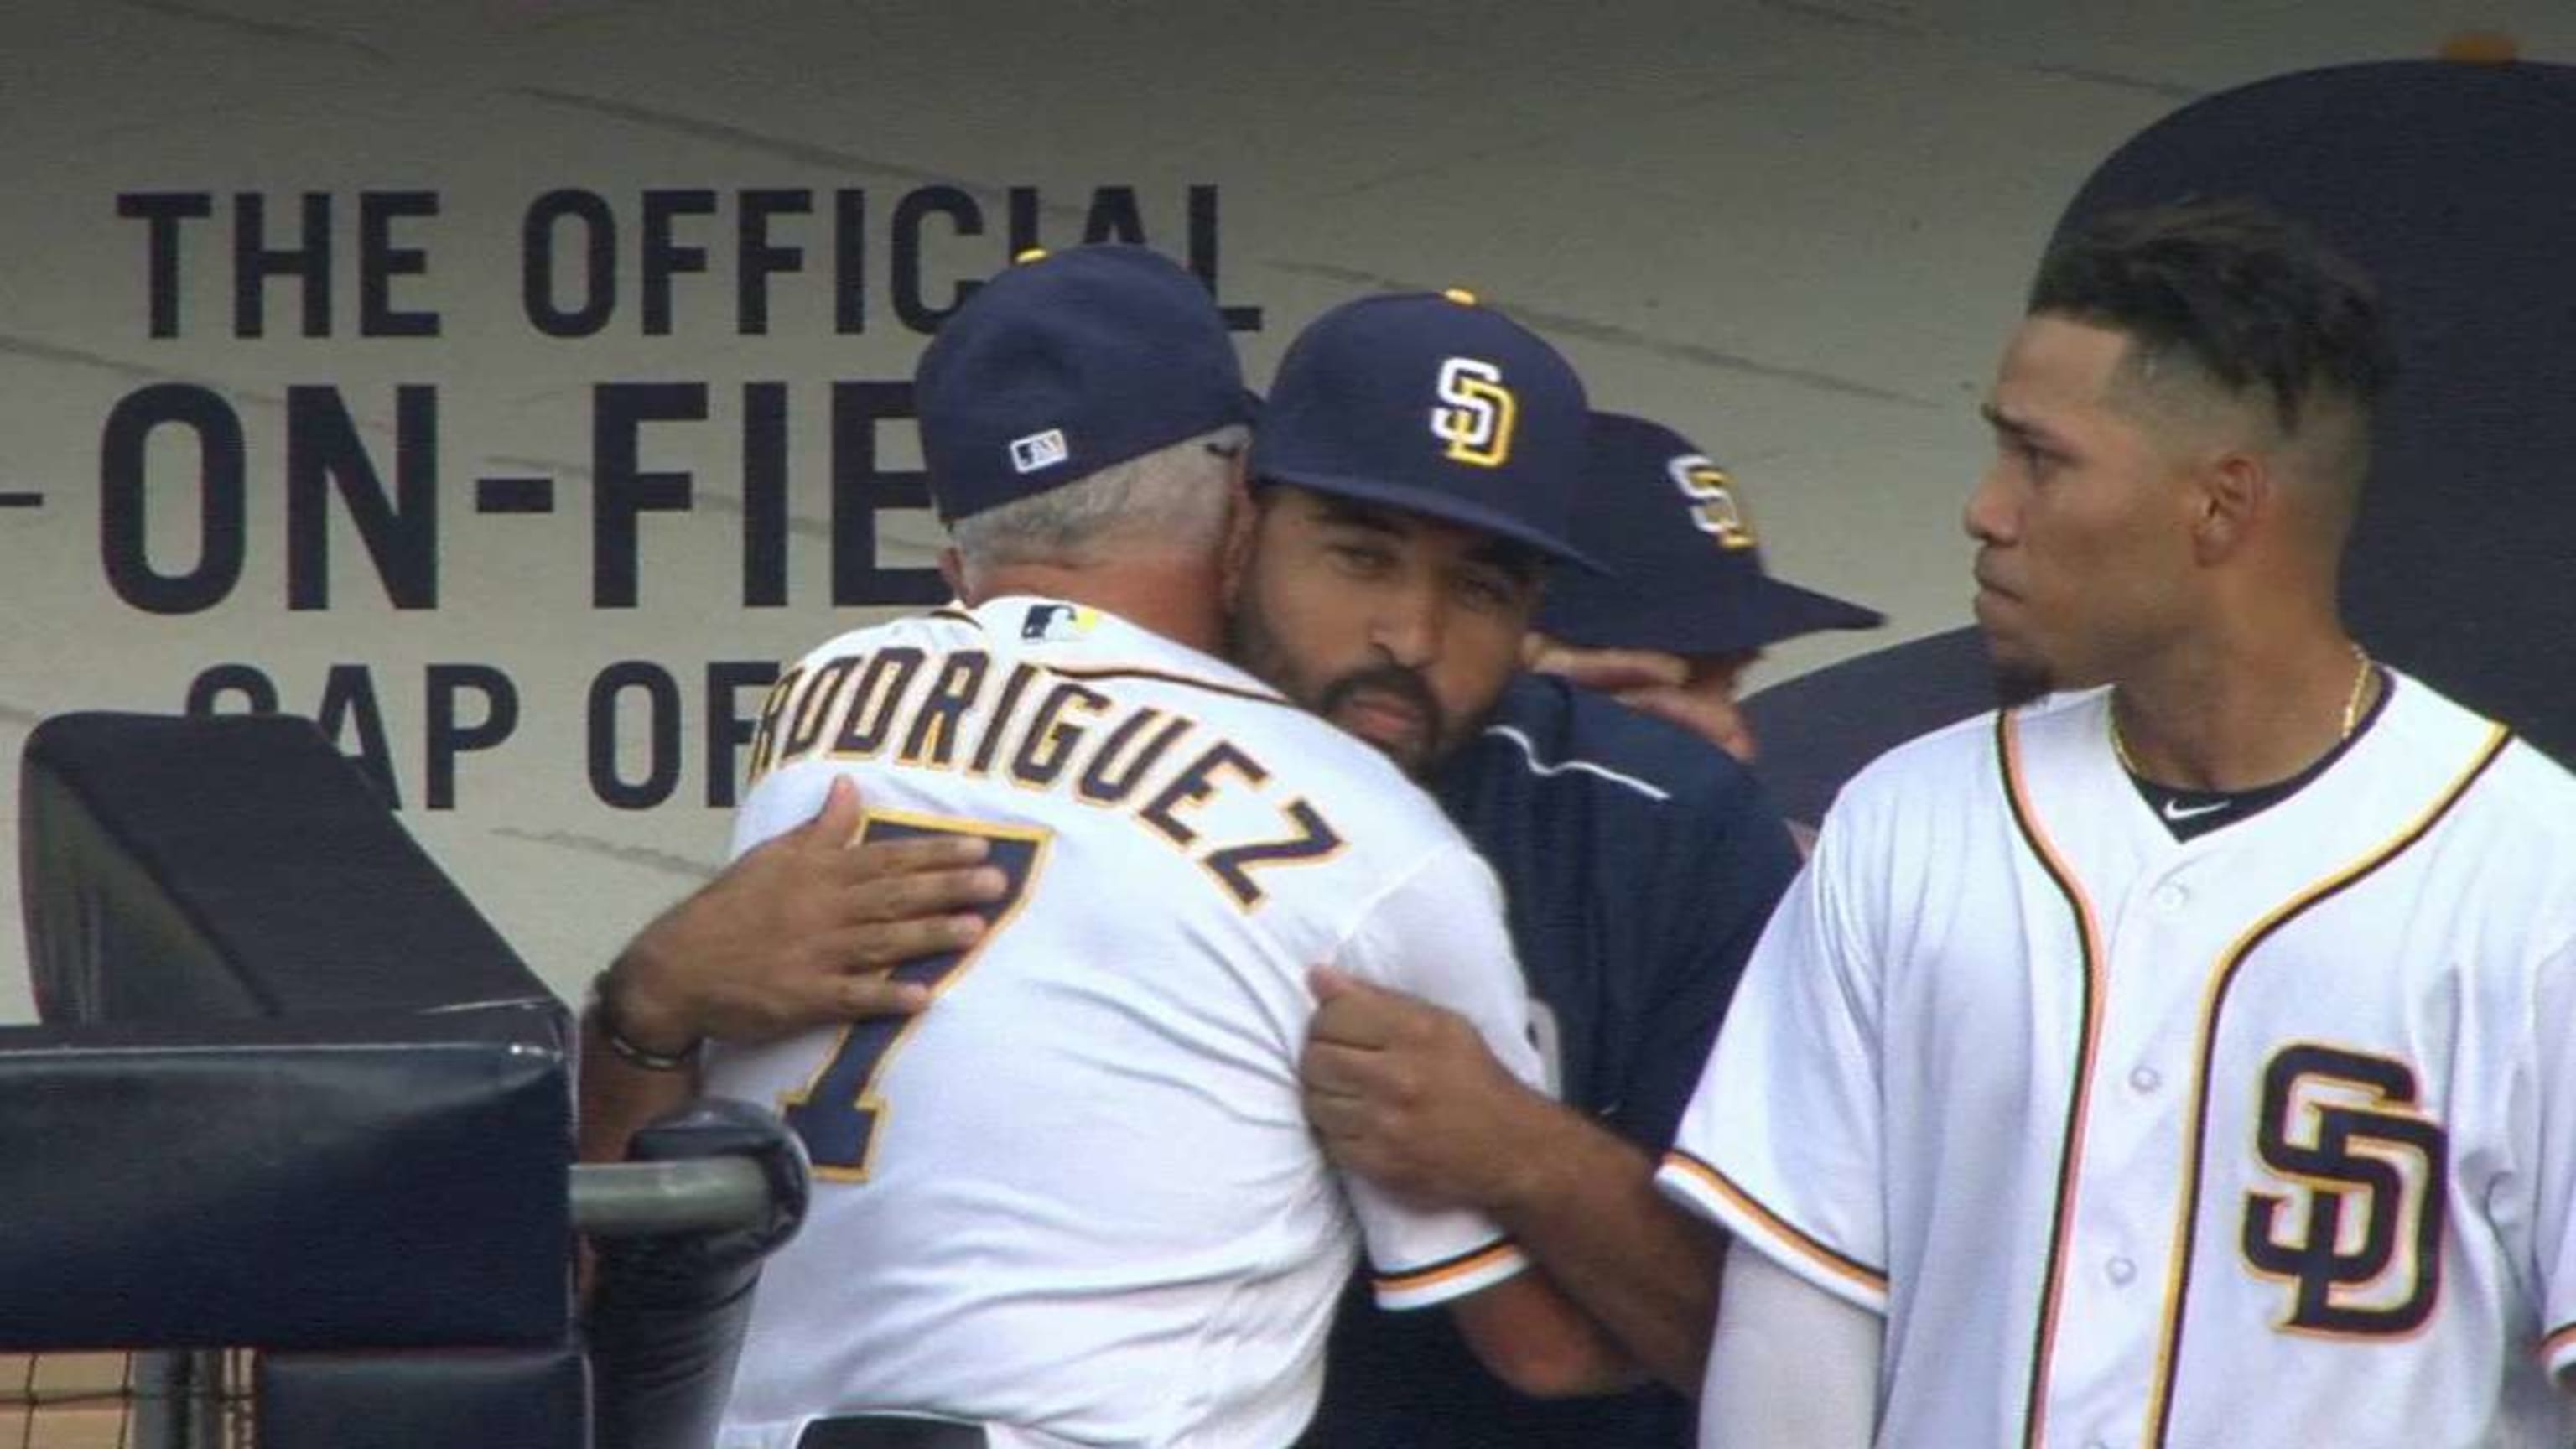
<point x="837" y="1111"/>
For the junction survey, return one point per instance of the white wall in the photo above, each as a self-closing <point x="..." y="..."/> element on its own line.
<point x="1796" y="229"/>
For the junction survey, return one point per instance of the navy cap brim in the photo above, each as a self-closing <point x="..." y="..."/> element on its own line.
<point x="1433" y="503"/>
<point x="1769" y="611"/>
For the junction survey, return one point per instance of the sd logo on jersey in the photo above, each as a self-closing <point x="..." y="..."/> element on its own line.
<point x="1713" y="506"/>
<point x="1477" y="413"/>
<point x="2358" y="1234"/>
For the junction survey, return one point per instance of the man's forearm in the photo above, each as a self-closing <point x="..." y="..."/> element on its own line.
<point x="613" y="1099"/>
<point x="616" y="1098"/>
<point x="1584" y="1206"/>
<point x="1410" y="1097"/>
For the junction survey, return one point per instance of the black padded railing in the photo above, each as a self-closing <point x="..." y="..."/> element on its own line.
<point x="293" y="1092"/>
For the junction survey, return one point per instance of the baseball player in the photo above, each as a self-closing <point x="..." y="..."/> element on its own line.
<point x="1639" y="865"/>
<point x="1077" y="1202"/>
<point x="2173" y="1060"/>
<point x="1683" y="605"/>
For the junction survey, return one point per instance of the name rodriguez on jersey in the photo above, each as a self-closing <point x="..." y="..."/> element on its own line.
<point x="1041" y="728"/>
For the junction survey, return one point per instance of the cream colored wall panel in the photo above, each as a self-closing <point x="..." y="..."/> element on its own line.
<point x="1794" y="228"/>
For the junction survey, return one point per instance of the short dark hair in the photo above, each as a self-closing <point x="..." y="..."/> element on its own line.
<point x="2251" y="297"/>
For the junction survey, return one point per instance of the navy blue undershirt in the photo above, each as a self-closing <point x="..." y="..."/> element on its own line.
<point x="2190" y="814"/>
<point x="1639" y="864"/>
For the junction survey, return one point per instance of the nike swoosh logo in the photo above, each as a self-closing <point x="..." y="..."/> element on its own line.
<point x="2173" y="809"/>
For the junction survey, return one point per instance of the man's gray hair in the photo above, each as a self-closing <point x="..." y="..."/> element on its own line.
<point x="1167" y="501"/>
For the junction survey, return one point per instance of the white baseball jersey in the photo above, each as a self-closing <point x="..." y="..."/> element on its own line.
<point x="1078" y="1194"/>
<point x="2263" y="1138"/>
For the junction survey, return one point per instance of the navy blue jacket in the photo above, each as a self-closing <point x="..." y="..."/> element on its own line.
<point x="1639" y="864"/>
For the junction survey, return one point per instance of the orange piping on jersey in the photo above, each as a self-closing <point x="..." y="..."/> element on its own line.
<point x="2187" y="1223"/>
<point x="2070" y="1155"/>
<point x="2557" y="1340"/>
<point x="1475" y="1260"/>
<point x="1807" y="1246"/>
<point x="1120" y="671"/>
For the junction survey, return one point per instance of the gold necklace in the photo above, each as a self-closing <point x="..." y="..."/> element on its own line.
<point x="2351" y="713"/>
<point x="2352" y="701"/>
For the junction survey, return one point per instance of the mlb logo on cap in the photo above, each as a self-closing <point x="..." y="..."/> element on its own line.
<point x="1065" y="364"/>
<point x="1038" y="450"/>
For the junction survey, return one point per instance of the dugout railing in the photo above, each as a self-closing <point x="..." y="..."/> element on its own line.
<point x="293" y="1094"/>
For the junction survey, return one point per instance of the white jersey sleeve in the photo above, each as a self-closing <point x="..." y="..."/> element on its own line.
<point x="2554" y="1239"/>
<point x="779" y="802"/>
<point x="1790" y="1365"/>
<point x="1782" y="1142"/>
<point x="1438" y="934"/>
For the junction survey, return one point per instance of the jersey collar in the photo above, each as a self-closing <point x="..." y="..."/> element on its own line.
<point x="1094" y="640"/>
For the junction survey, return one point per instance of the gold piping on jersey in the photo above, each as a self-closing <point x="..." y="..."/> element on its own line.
<point x="1432" y="1275"/>
<point x="1807" y="1245"/>
<point x="1167" y="676"/>
<point x="2187" y="1224"/>
<point x="956" y="615"/>
<point x="2070" y="1153"/>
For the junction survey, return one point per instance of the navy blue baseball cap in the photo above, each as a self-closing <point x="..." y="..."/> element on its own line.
<point x="1067" y="363"/>
<point x="1435" y="404"/>
<point x="1685" y="576"/>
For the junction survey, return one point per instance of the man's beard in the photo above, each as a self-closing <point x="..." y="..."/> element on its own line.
<point x="1251" y="645"/>
<point x="1406" y="687"/>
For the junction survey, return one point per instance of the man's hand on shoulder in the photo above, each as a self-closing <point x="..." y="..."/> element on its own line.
<point x="1406" y="1095"/>
<point x="1698" y="698"/>
<point x="1714" y="718"/>
<point x="801" y="932"/>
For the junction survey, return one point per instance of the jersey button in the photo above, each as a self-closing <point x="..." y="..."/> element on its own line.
<point x="2145" y="1079"/>
<point x="2120" y="1271"/>
<point x="2171" y="897"/>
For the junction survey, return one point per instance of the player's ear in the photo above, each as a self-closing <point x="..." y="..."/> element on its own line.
<point x="1242" y="527"/>
<point x="2232" y="493"/>
<point x="952" y="567"/>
